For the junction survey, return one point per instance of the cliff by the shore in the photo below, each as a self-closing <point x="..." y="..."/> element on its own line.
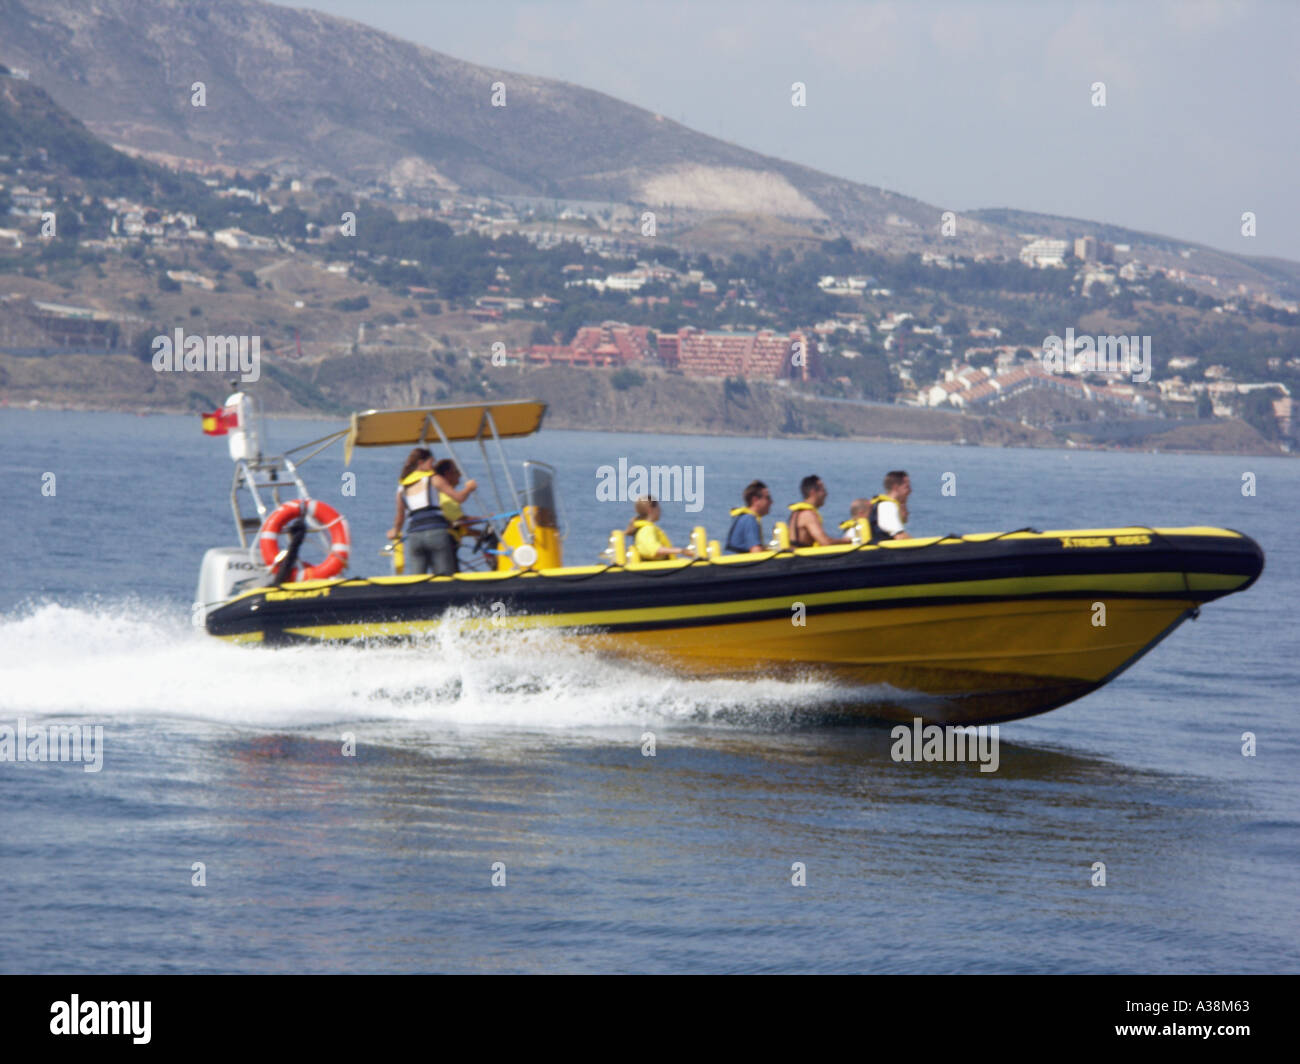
<point x="579" y="399"/>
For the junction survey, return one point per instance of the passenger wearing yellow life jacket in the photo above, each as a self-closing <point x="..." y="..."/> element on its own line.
<point x="859" y="509"/>
<point x="888" y="512"/>
<point x="745" y="536"/>
<point x="650" y="543"/>
<point x="456" y="518"/>
<point x="805" y="517"/>
<point x="430" y="545"/>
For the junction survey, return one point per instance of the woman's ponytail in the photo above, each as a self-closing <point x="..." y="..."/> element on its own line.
<point x="413" y="459"/>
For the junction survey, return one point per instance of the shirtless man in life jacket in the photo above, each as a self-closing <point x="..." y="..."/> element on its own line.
<point x="805" y="517"/>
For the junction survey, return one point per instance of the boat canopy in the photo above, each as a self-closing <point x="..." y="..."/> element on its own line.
<point x="449" y="422"/>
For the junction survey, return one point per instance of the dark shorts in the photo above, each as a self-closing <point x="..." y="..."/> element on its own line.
<point x="431" y="551"/>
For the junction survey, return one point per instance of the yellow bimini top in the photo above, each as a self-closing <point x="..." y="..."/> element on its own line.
<point x="457" y="421"/>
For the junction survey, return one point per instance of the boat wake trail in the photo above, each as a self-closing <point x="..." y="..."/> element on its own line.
<point x="128" y="659"/>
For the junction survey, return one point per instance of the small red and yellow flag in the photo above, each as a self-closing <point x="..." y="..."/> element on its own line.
<point x="216" y="423"/>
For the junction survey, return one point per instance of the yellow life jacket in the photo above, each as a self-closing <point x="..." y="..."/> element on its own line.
<point x="422" y="517"/>
<point x="845" y="526"/>
<point x="649" y="538"/>
<point x="452" y="512"/>
<point x="740" y="511"/>
<point x="877" y="533"/>
<point x="795" y="538"/>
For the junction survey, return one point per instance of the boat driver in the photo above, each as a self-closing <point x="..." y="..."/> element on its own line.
<point x="461" y="524"/>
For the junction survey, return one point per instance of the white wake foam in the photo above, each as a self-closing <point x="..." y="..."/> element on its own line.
<point x="126" y="659"/>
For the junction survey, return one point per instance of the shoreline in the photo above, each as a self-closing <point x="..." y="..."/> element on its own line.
<point x="595" y="400"/>
<point x="301" y="415"/>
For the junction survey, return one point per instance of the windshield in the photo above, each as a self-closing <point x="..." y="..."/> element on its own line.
<point x="539" y="491"/>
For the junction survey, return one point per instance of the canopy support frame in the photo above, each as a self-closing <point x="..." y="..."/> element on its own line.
<point x="524" y="528"/>
<point x="245" y="478"/>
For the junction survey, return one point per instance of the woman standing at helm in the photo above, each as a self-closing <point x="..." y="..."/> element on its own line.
<point x="430" y="544"/>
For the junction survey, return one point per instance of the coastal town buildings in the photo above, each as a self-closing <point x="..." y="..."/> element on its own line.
<point x="610" y="344"/>
<point x="763" y="355"/>
<point x="1044" y="252"/>
<point x="965" y="387"/>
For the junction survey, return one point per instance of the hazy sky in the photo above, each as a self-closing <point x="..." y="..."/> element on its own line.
<point x="962" y="105"/>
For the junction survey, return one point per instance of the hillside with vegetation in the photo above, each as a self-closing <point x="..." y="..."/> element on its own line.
<point x="444" y="299"/>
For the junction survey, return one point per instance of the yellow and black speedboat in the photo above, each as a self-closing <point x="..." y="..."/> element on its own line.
<point x="976" y="629"/>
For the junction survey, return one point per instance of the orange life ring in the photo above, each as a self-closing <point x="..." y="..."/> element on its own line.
<point x="327" y="517"/>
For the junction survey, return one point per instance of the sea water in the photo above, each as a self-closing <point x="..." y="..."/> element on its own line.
<point x="498" y="811"/>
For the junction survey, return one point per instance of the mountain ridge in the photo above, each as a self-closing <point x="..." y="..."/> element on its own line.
<point x="323" y="95"/>
<point x="304" y="87"/>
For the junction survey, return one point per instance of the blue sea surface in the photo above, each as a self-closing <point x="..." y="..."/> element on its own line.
<point x="524" y="755"/>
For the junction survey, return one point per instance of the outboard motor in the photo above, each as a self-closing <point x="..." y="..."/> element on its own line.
<point x="226" y="571"/>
